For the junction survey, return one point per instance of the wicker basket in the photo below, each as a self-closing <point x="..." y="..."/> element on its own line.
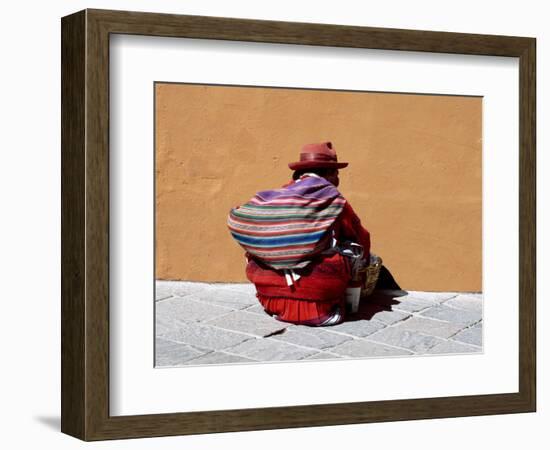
<point x="372" y="273"/>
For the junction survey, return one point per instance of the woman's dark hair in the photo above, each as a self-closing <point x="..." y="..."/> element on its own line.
<point x="322" y="172"/>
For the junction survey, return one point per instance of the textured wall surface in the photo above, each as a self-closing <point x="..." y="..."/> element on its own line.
<point x="414" y="176"/>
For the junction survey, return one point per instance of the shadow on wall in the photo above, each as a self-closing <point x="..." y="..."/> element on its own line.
<point x="386" y="280"/>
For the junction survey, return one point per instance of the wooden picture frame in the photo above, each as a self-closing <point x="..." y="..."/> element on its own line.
<point x="85" y="224"/>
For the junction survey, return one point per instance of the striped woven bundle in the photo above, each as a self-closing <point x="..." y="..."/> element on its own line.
<point x="284" y="228"/>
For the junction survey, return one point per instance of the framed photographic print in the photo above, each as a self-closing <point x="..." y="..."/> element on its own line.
<point x="218" y="177"/>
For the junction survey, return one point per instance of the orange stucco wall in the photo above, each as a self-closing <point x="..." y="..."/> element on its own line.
<point x="414" y="176"/>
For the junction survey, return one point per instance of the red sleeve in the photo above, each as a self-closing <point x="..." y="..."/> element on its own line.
<point x="289" y="183"/>
<point x="349" y="228"/>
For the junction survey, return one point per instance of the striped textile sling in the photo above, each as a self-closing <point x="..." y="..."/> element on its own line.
<point x="284" y="228"/>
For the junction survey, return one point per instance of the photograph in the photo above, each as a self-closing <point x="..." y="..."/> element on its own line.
<point x="296" y="224"/>
<point x="252" y="207"/>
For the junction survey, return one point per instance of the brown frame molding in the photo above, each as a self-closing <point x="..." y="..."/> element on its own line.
<point x="85" y="224"/>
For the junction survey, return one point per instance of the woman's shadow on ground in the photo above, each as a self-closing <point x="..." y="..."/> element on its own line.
<point x="382" y="298"/>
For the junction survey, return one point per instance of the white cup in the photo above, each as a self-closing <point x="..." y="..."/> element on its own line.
<point x="353" y="295"/>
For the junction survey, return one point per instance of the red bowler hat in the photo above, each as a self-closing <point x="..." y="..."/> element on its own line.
<point x="318" y="155"/>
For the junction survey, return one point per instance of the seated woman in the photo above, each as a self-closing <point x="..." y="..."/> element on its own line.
<point x="297" y="242"/>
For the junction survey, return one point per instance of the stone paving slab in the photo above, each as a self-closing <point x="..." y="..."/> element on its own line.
<point x="189" y="310"/>
<point x="163" y="290"/>
<point x="451" y="347"/>
<point x="472" y="335"/>
<point x="271" y="350"/>
<point x="178" y="288"/>
<point x="223" y="323"/>
<point x="436" y="328"/>
<point x="169" y="353"/>
<point x="165" y="324"/>
<point x="256" y="309"/>
<point x="452" y="315"/>
<point x="412" y="305"/>
<point x="162" y="295"/>
<point x="311" y="337"/>
<point x="468" y="302"/>
<point x="437" y="297"/>
<point x="217" y="358"/>
<point x="323" y="356"/>
<point x="248" y="288"/>
<point x="411" y="340"/>
<point x="229" y="298"/>
<point x="358" y="328"/>
<point x="249" y="323"/>
<point x="357" y="348"/>
<point x="202" y="336"/>
<point x="391" y="317"/>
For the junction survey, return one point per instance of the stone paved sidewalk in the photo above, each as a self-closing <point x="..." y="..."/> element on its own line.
<point x="201" y="323"/>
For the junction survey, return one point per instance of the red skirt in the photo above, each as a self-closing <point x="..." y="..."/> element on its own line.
<point x="318" y="297"/>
